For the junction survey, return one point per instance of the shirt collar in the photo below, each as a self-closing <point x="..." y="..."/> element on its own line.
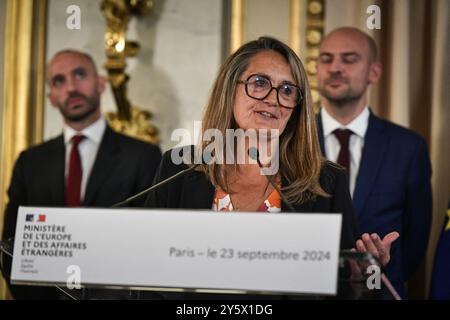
<point x="94" y="132"/>
<point x="358" y="125"/>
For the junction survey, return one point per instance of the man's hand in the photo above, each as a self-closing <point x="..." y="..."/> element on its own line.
<point x="380" y="249"/>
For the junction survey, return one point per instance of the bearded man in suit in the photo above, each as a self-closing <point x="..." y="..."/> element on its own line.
<point x="88" y="165"/>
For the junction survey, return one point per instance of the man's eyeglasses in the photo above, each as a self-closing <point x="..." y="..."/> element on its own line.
<point x="259" y="87"/>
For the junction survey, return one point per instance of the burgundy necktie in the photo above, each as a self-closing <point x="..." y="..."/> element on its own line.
<point x="343" y="135"/>
<point x="73" y="186"/>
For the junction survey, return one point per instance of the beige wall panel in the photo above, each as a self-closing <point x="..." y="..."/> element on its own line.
<point x="267" y="18"/>
<point x="2" y="50"/>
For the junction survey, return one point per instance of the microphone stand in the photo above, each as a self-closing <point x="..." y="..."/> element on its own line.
<point x="156" y="186"/>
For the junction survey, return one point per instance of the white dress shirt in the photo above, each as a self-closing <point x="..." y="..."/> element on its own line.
<point x="88" y="149"/>
<point x="332" y="147"/>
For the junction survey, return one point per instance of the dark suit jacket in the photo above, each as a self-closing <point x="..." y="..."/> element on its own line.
<point x="393" y="193"/>
<point x="195" y="191"/>
<point x="123" y="167"/>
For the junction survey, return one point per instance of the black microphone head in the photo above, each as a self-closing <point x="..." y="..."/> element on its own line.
<point x="253" y="153"/>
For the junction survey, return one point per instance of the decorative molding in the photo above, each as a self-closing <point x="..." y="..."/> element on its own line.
<point x="295" y="26"/>
<point x="129" y="119"/>
<point x="315" y="14"/>
<point x="238" y="21"/>
<point x="24" y="91"/>
<point x="41" y="42"/>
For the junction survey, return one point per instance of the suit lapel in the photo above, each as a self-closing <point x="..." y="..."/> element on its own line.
<point x="375" y="144"/>
<point x="56" y="176"/>
<point x="103" y="165"/>
<point x="320" y="134"/>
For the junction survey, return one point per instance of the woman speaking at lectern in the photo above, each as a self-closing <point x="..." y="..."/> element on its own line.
<point x="262" y="88"/>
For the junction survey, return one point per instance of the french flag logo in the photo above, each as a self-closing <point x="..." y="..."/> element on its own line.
<point x="29" y="217"/>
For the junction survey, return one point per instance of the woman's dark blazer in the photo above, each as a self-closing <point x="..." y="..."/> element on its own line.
<point x="195" y="191"/>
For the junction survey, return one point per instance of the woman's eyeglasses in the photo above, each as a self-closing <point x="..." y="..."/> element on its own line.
<point x="259" y="87"/>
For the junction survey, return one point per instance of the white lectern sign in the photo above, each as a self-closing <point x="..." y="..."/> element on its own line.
<point x="270" y="252"/>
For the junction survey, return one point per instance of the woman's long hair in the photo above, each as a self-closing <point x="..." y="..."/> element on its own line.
<point x="300" y="156"/>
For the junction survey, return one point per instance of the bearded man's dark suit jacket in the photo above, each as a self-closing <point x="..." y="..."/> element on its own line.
<point x="393" y="193"/>
<point x="122" y="168"/>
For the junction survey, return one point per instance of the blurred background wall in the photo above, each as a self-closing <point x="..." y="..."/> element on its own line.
<point x="2" y="50"/>
<point x="181" y="51"/>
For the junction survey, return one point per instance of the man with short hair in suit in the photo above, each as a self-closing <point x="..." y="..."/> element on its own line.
<point x="88" y="165"/>
<point x="388" y="165"/>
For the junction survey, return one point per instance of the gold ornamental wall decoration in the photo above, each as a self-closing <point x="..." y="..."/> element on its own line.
<point x="315" y="12"/>
<point x="128" y="119"/>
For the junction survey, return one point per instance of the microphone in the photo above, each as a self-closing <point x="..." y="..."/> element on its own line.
<point x="254" y="154"/>
<point x="159" y="184"/>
